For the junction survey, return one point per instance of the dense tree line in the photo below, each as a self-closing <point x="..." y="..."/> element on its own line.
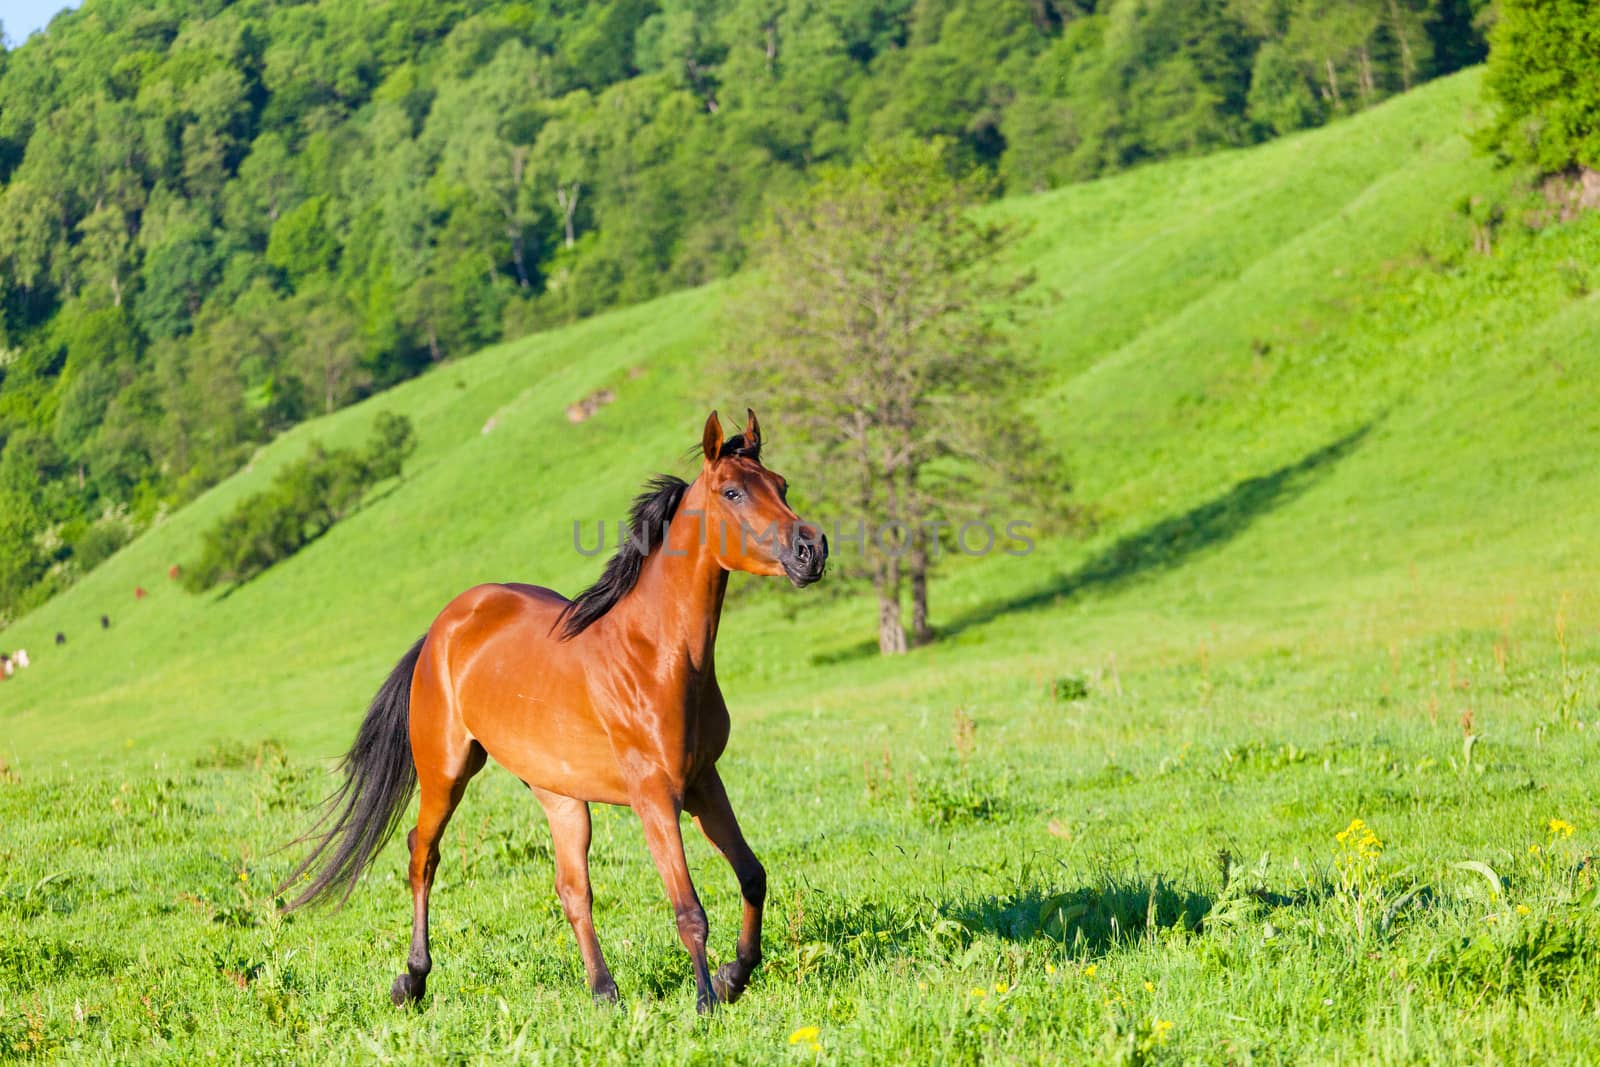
<point x="218" y="219"/>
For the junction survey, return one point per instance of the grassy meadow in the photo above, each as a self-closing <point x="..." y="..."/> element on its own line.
<point x="1285" y="755"/>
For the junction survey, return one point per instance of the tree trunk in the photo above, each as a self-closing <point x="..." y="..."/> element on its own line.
<point x="568" y="200"/>
<point x="891" y="632"/>
<point x="921" y="632"/>
<point x="516" y="255"/>
<point x="1407" y="63"/>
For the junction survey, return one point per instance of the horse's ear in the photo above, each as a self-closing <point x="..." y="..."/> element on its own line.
<point x="752" y="430"/>
<point x="711" y="440"/>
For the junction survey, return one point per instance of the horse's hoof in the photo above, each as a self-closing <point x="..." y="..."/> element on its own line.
<point x="706" y="1005"/>
<point x="606" y="994"/>
<point x="726" y="983"/>
<point x="407" y="990"/>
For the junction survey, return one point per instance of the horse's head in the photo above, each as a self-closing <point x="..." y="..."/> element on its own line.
<point x="748" y="521"/>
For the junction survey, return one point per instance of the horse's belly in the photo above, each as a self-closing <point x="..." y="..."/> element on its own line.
<point x="546" y="744"/>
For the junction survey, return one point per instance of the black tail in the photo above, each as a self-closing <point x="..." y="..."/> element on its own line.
<point x="379" y="778"/>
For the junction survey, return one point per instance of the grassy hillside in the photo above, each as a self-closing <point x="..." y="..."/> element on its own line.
<point x="1342" y="471"/>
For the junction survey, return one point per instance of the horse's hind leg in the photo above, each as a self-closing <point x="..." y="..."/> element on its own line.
<point x="708" y="803"/>
<point x="569" y="837"/>
<point x="441" y="786"/>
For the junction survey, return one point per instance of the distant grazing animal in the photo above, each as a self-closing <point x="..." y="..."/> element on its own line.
<point x="105" y="622"/>
<point x="21" y="657"/>
<point x="138" y="592"/>
<point x="174" y="572"/>
<point x="61" y="638"/>
<point x="608" y="698"/>
<point x="6" y="667"/>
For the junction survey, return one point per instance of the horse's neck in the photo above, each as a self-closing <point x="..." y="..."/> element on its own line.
<point x="678" y="599"/>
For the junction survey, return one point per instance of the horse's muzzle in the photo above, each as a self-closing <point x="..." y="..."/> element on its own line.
<point x="807" y="557"/>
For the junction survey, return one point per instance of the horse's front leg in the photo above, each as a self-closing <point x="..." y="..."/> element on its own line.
<point x="658" y="806"/>
<point x="707" y="801"/>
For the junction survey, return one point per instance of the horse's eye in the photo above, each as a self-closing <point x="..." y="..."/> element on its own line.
<point x="731" y="493"/>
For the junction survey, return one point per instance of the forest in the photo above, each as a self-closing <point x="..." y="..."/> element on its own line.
<point x="217" y="219"/>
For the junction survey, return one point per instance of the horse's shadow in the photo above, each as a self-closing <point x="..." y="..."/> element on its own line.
<point x="834" y="937"/>
<point x="821" y="937"/>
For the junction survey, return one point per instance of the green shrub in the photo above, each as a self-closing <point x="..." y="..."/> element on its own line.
<point x="1542" y="73"/>
<point x="1070" y="688"/>
<point x="303" y="502"/>
<point x="99" y="542"/>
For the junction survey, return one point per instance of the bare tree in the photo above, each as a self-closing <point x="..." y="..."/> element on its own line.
<point x="873" y="330"/>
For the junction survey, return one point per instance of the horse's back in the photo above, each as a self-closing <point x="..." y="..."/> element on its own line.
<point x="536" y="592"/>
<point x="497" y="604"/>
<point x="520" y="691"/>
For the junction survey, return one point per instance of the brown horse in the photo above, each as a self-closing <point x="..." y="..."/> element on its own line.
<point x="608" y="698"/>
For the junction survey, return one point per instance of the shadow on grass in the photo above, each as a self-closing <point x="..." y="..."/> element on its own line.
<point x="1172" y="542"/>
<point x="1162" y="546"/>
<point x="1092" y="918"/>
<point x="829" y="938"/>
<point x="833" y="938"/>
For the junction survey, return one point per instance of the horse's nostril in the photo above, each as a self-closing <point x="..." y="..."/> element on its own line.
<point x="802" y="551"/>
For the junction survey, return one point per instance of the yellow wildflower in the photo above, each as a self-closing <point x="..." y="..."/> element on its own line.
<point x="807" y="1035"/>
<point x="1149" y="987"/>
<point x="977" y="991"/>
<point x="1001" y="988"/>
<point x="1160" y="1028"/>
<point x="1562" y="827"/>
<point x="1049" y="968"/>
<point x="1089" y="971"/>
<point x="1359" y="838"/>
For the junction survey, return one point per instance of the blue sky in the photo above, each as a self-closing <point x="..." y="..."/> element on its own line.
<point x="22" y="17"/>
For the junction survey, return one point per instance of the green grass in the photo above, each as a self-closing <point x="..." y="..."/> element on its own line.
<point x="1343" y="478"/>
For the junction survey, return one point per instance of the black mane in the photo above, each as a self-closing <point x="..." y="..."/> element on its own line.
<point x="647" y="525"/>
<point x="738" y="446"/>
<point x="647" y="528"/>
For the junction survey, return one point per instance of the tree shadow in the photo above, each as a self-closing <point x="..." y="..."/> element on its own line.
<point x="1173" y="542"/>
